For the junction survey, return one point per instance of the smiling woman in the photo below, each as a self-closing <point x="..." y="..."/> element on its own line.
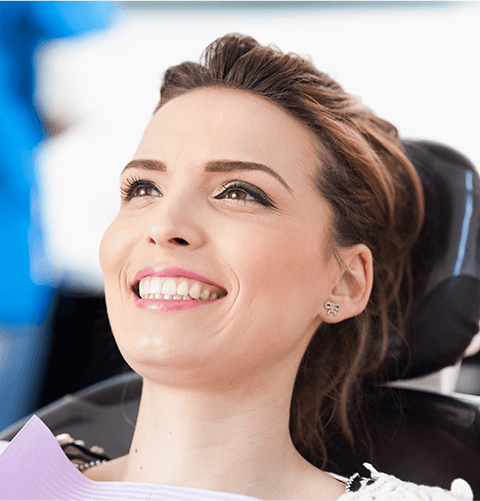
<point x="254" y="276"/>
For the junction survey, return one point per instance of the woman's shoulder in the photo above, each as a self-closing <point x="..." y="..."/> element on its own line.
<point x="383" y="487"/>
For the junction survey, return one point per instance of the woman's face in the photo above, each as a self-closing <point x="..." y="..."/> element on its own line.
<point x="220" y="185"/>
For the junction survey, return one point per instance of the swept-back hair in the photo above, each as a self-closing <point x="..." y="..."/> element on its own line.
<point x="376" y="199"/>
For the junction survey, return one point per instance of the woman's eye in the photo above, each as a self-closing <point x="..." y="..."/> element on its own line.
<point x="139" y="188"/>
<point x="245" y="193"/>
<point x="144" y="191"/>
<point x="237" y="194"/>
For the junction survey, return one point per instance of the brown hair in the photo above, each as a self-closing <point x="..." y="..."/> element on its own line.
<point x="376" y="199"/>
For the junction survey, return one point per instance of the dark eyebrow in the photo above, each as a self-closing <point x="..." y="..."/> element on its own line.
<point x="233" y="165"/>
<point x="212" y="166"/>
<point x="146" y="164"/>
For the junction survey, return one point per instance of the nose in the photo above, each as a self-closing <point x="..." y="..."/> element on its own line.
<point x="174" y="222"/>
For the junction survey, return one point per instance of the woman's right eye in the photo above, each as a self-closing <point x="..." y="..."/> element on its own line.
<point x="139" y="188"/>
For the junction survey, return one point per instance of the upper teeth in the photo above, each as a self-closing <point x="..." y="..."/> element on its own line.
<point x="178" y="288"/>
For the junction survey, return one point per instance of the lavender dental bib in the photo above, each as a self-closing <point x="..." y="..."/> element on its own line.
<point x="33" y="466"/>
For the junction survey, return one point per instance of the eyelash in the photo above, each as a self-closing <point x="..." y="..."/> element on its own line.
<point x="257" y="194"/>
<point x="127" y="191"/>
<point x="260" y="197"/>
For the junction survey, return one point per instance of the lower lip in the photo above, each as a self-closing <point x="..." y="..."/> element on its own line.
<point x="172" y="304"/>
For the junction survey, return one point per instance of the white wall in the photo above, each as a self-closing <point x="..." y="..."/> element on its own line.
<point x="417" y="65"/>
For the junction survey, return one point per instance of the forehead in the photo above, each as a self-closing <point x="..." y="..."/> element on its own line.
<point x="220" y="123"/>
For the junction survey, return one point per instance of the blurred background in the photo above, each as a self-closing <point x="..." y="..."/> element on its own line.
<point x="78" y="84"/>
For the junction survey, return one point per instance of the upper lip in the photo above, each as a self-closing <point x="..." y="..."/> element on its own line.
<point x="172" y="271"/>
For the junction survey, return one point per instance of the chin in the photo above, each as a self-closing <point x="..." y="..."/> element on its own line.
<point x="161" y="347"/>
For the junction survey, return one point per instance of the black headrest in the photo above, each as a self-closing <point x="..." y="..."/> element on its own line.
<point x="446" y="310"/>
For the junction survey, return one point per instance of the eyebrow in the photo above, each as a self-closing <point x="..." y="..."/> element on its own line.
<point x="211" y="166"/>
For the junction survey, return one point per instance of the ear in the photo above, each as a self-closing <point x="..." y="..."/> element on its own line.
<point x="353" y="287"/>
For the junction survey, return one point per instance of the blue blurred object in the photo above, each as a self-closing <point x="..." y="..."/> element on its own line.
<point x="25" y="301"/>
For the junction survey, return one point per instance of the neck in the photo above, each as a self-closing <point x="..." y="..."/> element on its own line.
<point x="232" y="441"/>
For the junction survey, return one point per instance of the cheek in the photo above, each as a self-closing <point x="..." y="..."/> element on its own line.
<point x="107" y="251"/>
<point x="285" y="272"/>
<point x="114" y="250"/>
<point x="281" y="274"/>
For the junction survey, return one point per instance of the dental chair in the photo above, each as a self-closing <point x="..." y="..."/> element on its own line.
<point x="424" y="436"/>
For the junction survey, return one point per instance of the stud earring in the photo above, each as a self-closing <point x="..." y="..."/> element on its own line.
<point x="332" y="308"/>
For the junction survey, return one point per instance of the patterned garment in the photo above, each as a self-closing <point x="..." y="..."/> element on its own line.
<point x="384" y="487"/>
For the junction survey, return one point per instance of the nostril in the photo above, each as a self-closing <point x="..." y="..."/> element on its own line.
<point x="179" y="241"/>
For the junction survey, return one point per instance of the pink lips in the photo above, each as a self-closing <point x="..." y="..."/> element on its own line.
<point x="171" y="304"/>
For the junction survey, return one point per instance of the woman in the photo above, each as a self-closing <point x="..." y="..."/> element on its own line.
<point x="254" y="277"/>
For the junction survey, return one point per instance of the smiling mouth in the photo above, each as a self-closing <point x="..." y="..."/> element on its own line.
<point x="177" y="288"/>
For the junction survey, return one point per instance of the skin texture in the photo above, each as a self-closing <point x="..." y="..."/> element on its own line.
<point x="218" y="378"/>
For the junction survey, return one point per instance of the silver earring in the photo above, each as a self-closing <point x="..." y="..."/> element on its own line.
<point x="332" y="308"/>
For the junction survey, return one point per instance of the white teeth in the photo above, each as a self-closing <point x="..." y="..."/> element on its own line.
<point x="155" y="286"/>
<point x="169" y="287"/>
<point x="178" y="296"/>
<point x="182" y="289"/>
<point x="195" y="290"/>
<point x="144" y="286"/>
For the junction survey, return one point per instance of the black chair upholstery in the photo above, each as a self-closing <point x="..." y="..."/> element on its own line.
<point x="102" y="414"/>
<point x="446" y="311"/>
<point x="422" y="437"/>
